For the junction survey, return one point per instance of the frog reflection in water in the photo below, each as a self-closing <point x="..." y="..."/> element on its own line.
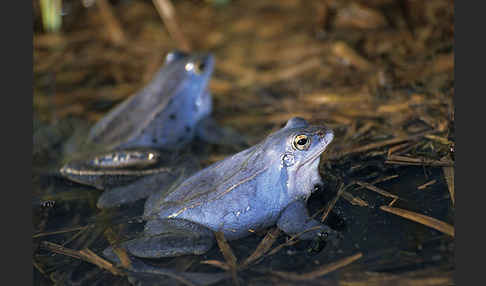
<point x="264" y="185"/>
<point x="165" y="115"/>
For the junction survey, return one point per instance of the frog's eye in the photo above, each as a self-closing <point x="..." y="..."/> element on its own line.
<point x="301" y="142"/>
<point x="197" y="67"/>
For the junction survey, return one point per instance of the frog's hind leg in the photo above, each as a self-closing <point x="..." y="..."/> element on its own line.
<point x="168" y="238"/>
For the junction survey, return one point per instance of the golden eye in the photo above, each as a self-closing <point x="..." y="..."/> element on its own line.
<point x="196" y="67"/>
<point x="301" y="142"/>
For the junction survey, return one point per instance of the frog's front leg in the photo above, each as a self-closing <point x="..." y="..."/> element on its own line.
<point x="167" y="238"/>
<point x="295" y="219"/>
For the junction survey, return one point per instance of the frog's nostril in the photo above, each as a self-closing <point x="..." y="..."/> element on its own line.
<point x="322" y="133"/>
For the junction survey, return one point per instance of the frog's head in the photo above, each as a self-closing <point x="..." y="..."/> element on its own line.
<point x="298" y="147"/>
<point x="189" y="75"/>
<point x="197" y="66"/>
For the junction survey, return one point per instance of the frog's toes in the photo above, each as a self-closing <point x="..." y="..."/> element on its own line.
<point x="331" y="236"/>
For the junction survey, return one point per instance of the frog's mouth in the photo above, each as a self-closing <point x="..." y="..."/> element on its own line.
<point x="326" y="138"/>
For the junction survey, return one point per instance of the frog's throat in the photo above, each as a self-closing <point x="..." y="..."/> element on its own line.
<point x="312" y="158"/>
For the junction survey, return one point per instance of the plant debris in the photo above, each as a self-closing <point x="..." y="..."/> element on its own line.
<point x="379" y="73"/>
<point x="423" y="219"/>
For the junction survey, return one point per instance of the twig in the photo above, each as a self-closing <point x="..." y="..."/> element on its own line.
<point x="376" y="189"/>
<point x="422" y="219"/>
<point x="380" y="144"/>
<point x="331" y="204"/>
<point x="355" y="201"/>
<point x="351" y="57"/>
<point x="384" y="179"/>
<point x="449" y="176"/>
<point x="61" y="231"/>
<point x="121" y="253"/>
<point x="75" y="236"/>
<point x="262" y="247"/>
<point x="403" y="160"/>
<point x="393" y="202"/>
<point x="423" y="186"/>
<point x="85" y="254"/>
<point x="114" y="29"/>
<point x="228" y="255"/>
<point x="217" y="263"/>
<point x="167" y="13"/>
<point x="291" y="241"/>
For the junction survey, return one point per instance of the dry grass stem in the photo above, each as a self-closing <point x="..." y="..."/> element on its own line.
<point x="332" y="203"/>
<point x="377" y="145"/>
<point x="263" y="247"/>
<point x="422" y="219"/>
<point x="114" y="30"/>
<point x="70" y="229"/>
<point x="449" y="176"/>
<point x="120" y="252"/>
<point x="376" y="190"/>
<point x="167" y="13"/>
<point x="217" y="263"/>
<point x="355" y="201"/>
<point x="423" y="186"/>
<point x="291" y="241"/>
<point x="84" y="254"/>
<point x="228" y="255"/>
<point x="404" y="160"/>
<point x="349" y="56"/>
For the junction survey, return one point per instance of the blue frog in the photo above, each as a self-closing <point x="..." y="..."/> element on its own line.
<point x="266" y="184"/>
<point x="164" y="116"/>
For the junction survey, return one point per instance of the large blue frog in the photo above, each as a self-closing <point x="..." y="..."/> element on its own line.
<point x="264" y="185"/>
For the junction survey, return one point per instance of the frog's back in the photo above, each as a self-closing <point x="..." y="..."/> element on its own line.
<point x="130" y="118"/>
<point x="210" y="183"/>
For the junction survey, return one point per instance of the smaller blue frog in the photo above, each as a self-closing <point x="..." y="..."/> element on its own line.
<point x="165" y="113"/>
<point x="164" y="116"/>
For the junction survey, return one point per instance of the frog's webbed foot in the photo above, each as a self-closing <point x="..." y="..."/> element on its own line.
<point x="167" y="238"/>
<point x="210" y="131"/>
<point x="295" y="220"/>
